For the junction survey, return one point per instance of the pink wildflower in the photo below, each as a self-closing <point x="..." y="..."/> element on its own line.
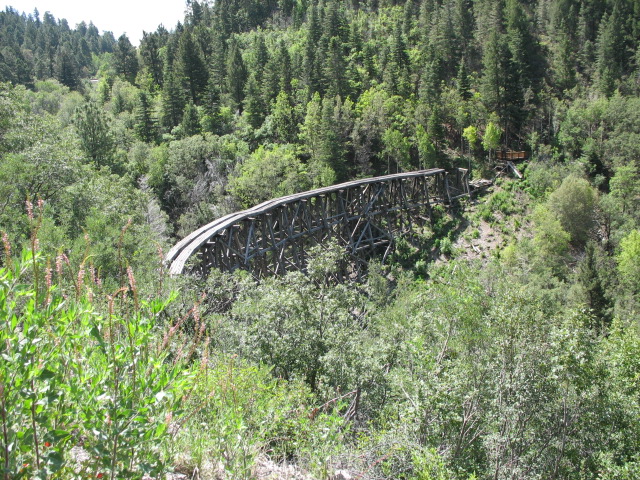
<point x="29" y="209"/>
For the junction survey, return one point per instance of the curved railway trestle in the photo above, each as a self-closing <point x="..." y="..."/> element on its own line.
<point x="363" y="215"/>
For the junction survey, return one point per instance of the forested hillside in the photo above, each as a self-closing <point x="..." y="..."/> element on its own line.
<point x="501" y="342"/>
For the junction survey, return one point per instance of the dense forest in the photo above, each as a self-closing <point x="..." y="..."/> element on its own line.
<point x="501" y="342"/>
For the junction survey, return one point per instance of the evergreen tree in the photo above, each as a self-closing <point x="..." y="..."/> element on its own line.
<point x="217" y="62"/>
<point x="464" y="25"/>
<point x="173" y="101"/>
<point x="66" y="68"/>
<point x="192" y="67"/>
<point x="522" y="45"/>
<point x="195" y="14"/>
<point x="14" y="67"/>
<point x="431" y="83"/>
<point x="434" y="127"/>
<point x="333" y="24"/>
<point x="283" y="119"/>
<point x="261" y="58"/>
<point x="610" y="51"/>
<point x="151" y="58"/>
<point x="590" y="277"/>
<point x="211" y="106"/>
<point x="494" y="72"/>
<point x="310" y="62"/>
<point x="334" y="70"/>
<point x="564" y="64"/>
<point x="462" y="82"/>
<point x="254" y="105"/>
<point x="145" y="126"/>
<point x="396" y="73"/>
<point x="332" y="151"/>
<point x="190" y="121"/>
<point x="236" y="75"/>
<point x="283" y="64"/>
<point x="442" y="40"/>
<point x="95" y="136"/>
<point x="125" y="59"/>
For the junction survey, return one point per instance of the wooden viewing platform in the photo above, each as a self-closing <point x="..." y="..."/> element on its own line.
<point x="510" y="155"/>
<point x="363" y="215"/>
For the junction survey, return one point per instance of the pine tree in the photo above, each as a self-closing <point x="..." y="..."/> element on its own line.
<point x="333" y="24"/>
<point x="590" y="277"/>
<point x="396" y="70"/>
<point x="66" y="68"/>
<point x="192" y="67"/>
<point x="462" y="81"/>
<point x="236" y="75"/>
<point x="310" y="62"/>
<point x="610" y="52"/>
<point x="564" y="65"/>
<point x="442" y="41"/>
<point x="173" y="101"/>
<point x="190" y="124"/>
<point x="125" y="59"/>
<point x="17" y="68"/>
<point x="151" y="59"/>
<point x="261" y="58"/>
<point x="254" y="106"/>
<point x="283" y="60"/>
<point x="217" y="61"/>
<point x="334" y="70"/>
<point x="211" y="106"/>
<point x="434" y="127"/>
<point x="431" y="83"/>
<point x="463" y="26"/>
<point x="283" y="119"/>
<point x="522" y="45"/>
<point x="494" y="72"/>
<point x="195" y="13"/>
<point x="95" y="137"/>
<point x="331" y="151"/>
<point x="145" y="126"/>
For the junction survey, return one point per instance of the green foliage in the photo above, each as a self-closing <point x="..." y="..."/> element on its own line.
<point x="145" y="123"/>
<point x="426" y="150"/>
<point x="470" y="134"/>
<point x="125" y="60"/>
<point x="501" y="201"/>
<point x="523" y="365"/>
<point x="69" y="372"/>
<point x="542" y="178"/>
<point x="240" y="410"/>
<point x="574" y="204"/>
<point x="551" y="241"/>
<point x="95" y="137"/>
<point x="191" y="173"/>
<point x="625" y="187"/>
<point x="491" y="137"/>
<point x="33" y="49"/>
<point x="268" y="173"/>
<point x="629" y="261"/>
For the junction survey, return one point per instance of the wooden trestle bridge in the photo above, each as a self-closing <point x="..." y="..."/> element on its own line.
<point x="364" y="216"/>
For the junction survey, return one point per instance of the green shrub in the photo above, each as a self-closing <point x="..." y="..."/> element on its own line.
<point x="73" y="376"/>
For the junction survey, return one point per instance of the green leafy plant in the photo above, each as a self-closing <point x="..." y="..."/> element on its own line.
<point x="71" y="376"/>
